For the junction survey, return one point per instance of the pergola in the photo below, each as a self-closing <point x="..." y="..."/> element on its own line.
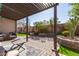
<point x="16" y="11"/>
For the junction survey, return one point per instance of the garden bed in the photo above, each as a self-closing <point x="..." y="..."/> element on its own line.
<point x="73" y="44"/>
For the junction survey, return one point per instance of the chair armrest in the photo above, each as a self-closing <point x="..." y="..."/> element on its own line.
<point x="16" y="39"/>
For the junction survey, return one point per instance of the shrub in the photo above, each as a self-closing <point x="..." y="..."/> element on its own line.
<point x="65" y="33"/>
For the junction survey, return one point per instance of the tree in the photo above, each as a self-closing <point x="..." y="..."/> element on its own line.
<point x="22" y="24"/>
<point x="0" y="8"/>
<point x="73" y="22"/>
<point x="75" y="10"/>
<point x="72" y="25"/>
<point x="41" y="26"/>
<point x="51" y="21"/>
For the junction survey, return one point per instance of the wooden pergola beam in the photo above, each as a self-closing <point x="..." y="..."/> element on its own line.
<point x="13" y="10"/>
<point x="19" y="11"/>
<point x="44" y="9"/>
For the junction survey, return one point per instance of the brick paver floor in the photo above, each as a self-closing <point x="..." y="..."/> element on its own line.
<point x="34" y="47"/>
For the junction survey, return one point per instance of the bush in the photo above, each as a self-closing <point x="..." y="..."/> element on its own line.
<point x="65" y="33"/>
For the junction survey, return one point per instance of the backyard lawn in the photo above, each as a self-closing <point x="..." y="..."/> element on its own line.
<point x="22" y="34"/>
<point x="68" y="51"/>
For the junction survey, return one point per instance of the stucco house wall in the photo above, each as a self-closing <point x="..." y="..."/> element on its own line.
<point x="7" y="25"/>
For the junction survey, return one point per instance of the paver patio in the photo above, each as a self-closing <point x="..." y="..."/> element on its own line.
<point x="33" y="47"/>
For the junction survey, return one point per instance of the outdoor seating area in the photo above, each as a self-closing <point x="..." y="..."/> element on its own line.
<point x="7" y="36"/>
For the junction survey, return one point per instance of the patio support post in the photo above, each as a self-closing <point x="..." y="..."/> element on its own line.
<point x="16" y="26"/>
<point x="26" y="29"/>
<point x="55" y="30"/>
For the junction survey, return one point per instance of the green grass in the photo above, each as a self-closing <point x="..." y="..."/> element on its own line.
<point x="68" y="51"/>
<point x="22" y="34"/>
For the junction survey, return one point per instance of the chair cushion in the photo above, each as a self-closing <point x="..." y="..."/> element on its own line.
<point x="1" y="38"/>
<point x="0" y="32"/>
<point x="12" y="53"/>
<point x="12" y="33"/>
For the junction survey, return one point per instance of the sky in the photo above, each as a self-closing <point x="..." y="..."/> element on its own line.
<point x="62" y="13"/>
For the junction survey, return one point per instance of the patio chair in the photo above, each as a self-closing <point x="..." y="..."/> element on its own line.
<point x="14" y="50"/>
<point x="6" y="37"/>
<point x="1" y="39"/>
<point x="12" y="35"/>
<point x="1" y="36"/>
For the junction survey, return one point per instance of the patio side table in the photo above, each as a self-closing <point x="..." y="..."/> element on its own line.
<point x="2" y="51"/>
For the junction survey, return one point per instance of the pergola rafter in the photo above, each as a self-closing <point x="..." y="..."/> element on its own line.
<point x="17" y="11"/>
<point x="12" y="9"/>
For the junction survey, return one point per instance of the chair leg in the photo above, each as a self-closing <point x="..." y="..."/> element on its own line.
<point x="17" y="47"/>
<point x="11" y="46"/>
<point x="20" y="46"/>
